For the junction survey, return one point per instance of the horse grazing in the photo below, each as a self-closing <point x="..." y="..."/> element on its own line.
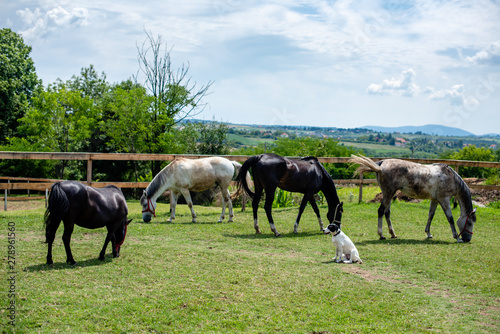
<point x="437" y="182"/>
<point x="184" y="175"/>
<point x="76" y="203"/>
<point x="306" y="176"/>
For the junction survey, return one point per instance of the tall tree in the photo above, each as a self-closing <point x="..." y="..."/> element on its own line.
<point x="64" y="121"/>
<point x="93" y="86"/>
<point x="18" y="80"/>
<point x="175" y="95"/>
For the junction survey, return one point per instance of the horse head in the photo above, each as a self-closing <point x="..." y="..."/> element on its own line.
<point x="466" y="225"/>
<point x="148" y="207"/>
<point x="335" y="216"/>
<point x="120" y="234"/>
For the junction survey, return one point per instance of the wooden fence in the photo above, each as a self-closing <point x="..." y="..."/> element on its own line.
<point x="44" y="184"/>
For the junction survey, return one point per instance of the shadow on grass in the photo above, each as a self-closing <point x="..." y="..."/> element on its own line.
<point x="270" y="235"/>
<point x="183" y="222"/>
<point x="401" y="241"/>
<point x="66" y="266"/>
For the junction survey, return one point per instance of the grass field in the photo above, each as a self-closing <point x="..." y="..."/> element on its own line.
<point x="222" y="278"/>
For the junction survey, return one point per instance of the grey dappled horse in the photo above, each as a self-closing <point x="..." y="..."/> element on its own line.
<point x="437" y="182"/>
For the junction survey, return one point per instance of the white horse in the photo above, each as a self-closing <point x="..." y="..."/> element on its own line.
<point x="437" y="182"/>
<point x="184" y="175"/>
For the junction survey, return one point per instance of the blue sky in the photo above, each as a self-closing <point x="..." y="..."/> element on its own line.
<point x="319" y="63"/>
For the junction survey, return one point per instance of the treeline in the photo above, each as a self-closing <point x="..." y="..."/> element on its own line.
<point x="150" y="115"/>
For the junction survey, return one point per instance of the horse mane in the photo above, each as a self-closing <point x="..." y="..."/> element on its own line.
<point x="327" y="180"/>
<point x="157" y="182"/>
<point x="464" y="193"/>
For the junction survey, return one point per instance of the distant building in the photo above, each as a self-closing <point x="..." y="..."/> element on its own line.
<point x="401" y="142"/>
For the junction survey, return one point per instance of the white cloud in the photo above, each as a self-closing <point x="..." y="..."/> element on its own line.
<point x="489" y="56"/>
<point x="42" y="23"/>
<point x="455" y="96"/>
<point x="403" y="86"/>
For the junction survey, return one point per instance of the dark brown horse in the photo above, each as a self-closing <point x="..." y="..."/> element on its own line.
<point x="76" y="203"/>
<point x="306" y="176"/>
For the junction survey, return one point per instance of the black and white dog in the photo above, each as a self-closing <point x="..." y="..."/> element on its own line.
<point x="345" y="252"/>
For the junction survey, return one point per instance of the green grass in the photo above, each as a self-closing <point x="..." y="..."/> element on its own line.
<point x="222" y="278"/>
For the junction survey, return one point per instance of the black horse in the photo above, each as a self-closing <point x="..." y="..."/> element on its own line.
<point x="306" y="176"/>
<point x="76" y="203"/>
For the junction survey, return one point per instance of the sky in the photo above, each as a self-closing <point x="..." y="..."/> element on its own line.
<point x="340" y="64"/>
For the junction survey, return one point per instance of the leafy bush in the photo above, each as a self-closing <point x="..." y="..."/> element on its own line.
<point x="475" y="154"/>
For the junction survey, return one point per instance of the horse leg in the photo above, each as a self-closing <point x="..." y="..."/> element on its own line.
<point x="445" y="204"/>
<point x="303" y="204"/>
<point x="226" y="198"/>
<point x="187" y="196"/>
<point x="389" y="222"/>
<point x="268" y="207"/>
<point x="255" y="207"/>
<point x="432" y="211"/>
<point x="385" y="210"/>
<point x="173" y="204"/>
<point x="66" y="238"/>
<point x="223" y="213"/>
<point x="316" y="211"/>
<point x="109" y="237"/>
<point x="50" y="234"/>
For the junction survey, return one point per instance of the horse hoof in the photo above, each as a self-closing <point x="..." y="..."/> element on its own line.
<point x="394" y="237"/>
<point x="382" y="238"/>
<point x="71" y="263"/>
<point x="50" y="262"/>
<point x="277" y="235"/>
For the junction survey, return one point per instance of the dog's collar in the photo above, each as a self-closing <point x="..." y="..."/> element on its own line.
<point x="337" y="233"/>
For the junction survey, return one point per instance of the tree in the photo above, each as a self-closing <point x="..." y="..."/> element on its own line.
<point x="92" y="86"/>
<point x="212" y="138"/>
<point x="18" y="80"/>
<point x="175" y="96"/>
<point x="126" y="118"/>
<point x="89" y="83"/>
<point x="64" y="122"/>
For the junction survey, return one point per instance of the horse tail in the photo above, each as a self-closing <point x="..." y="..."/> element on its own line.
<point x="366" y="164"/>
<point x="243" y="177"/>
<point x="56" y="209"/>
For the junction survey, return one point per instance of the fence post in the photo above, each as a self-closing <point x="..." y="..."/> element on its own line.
<point x="89" y="171"/>
<point x="360" y="187"/>
<point x="46" y="197"/>
<point x="5" y="203"/>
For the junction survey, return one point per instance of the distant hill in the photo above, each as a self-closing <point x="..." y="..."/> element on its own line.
<point x="430" y="129"/>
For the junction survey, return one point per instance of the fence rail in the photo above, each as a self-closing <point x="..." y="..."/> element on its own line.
<point x="44" y="184"/>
